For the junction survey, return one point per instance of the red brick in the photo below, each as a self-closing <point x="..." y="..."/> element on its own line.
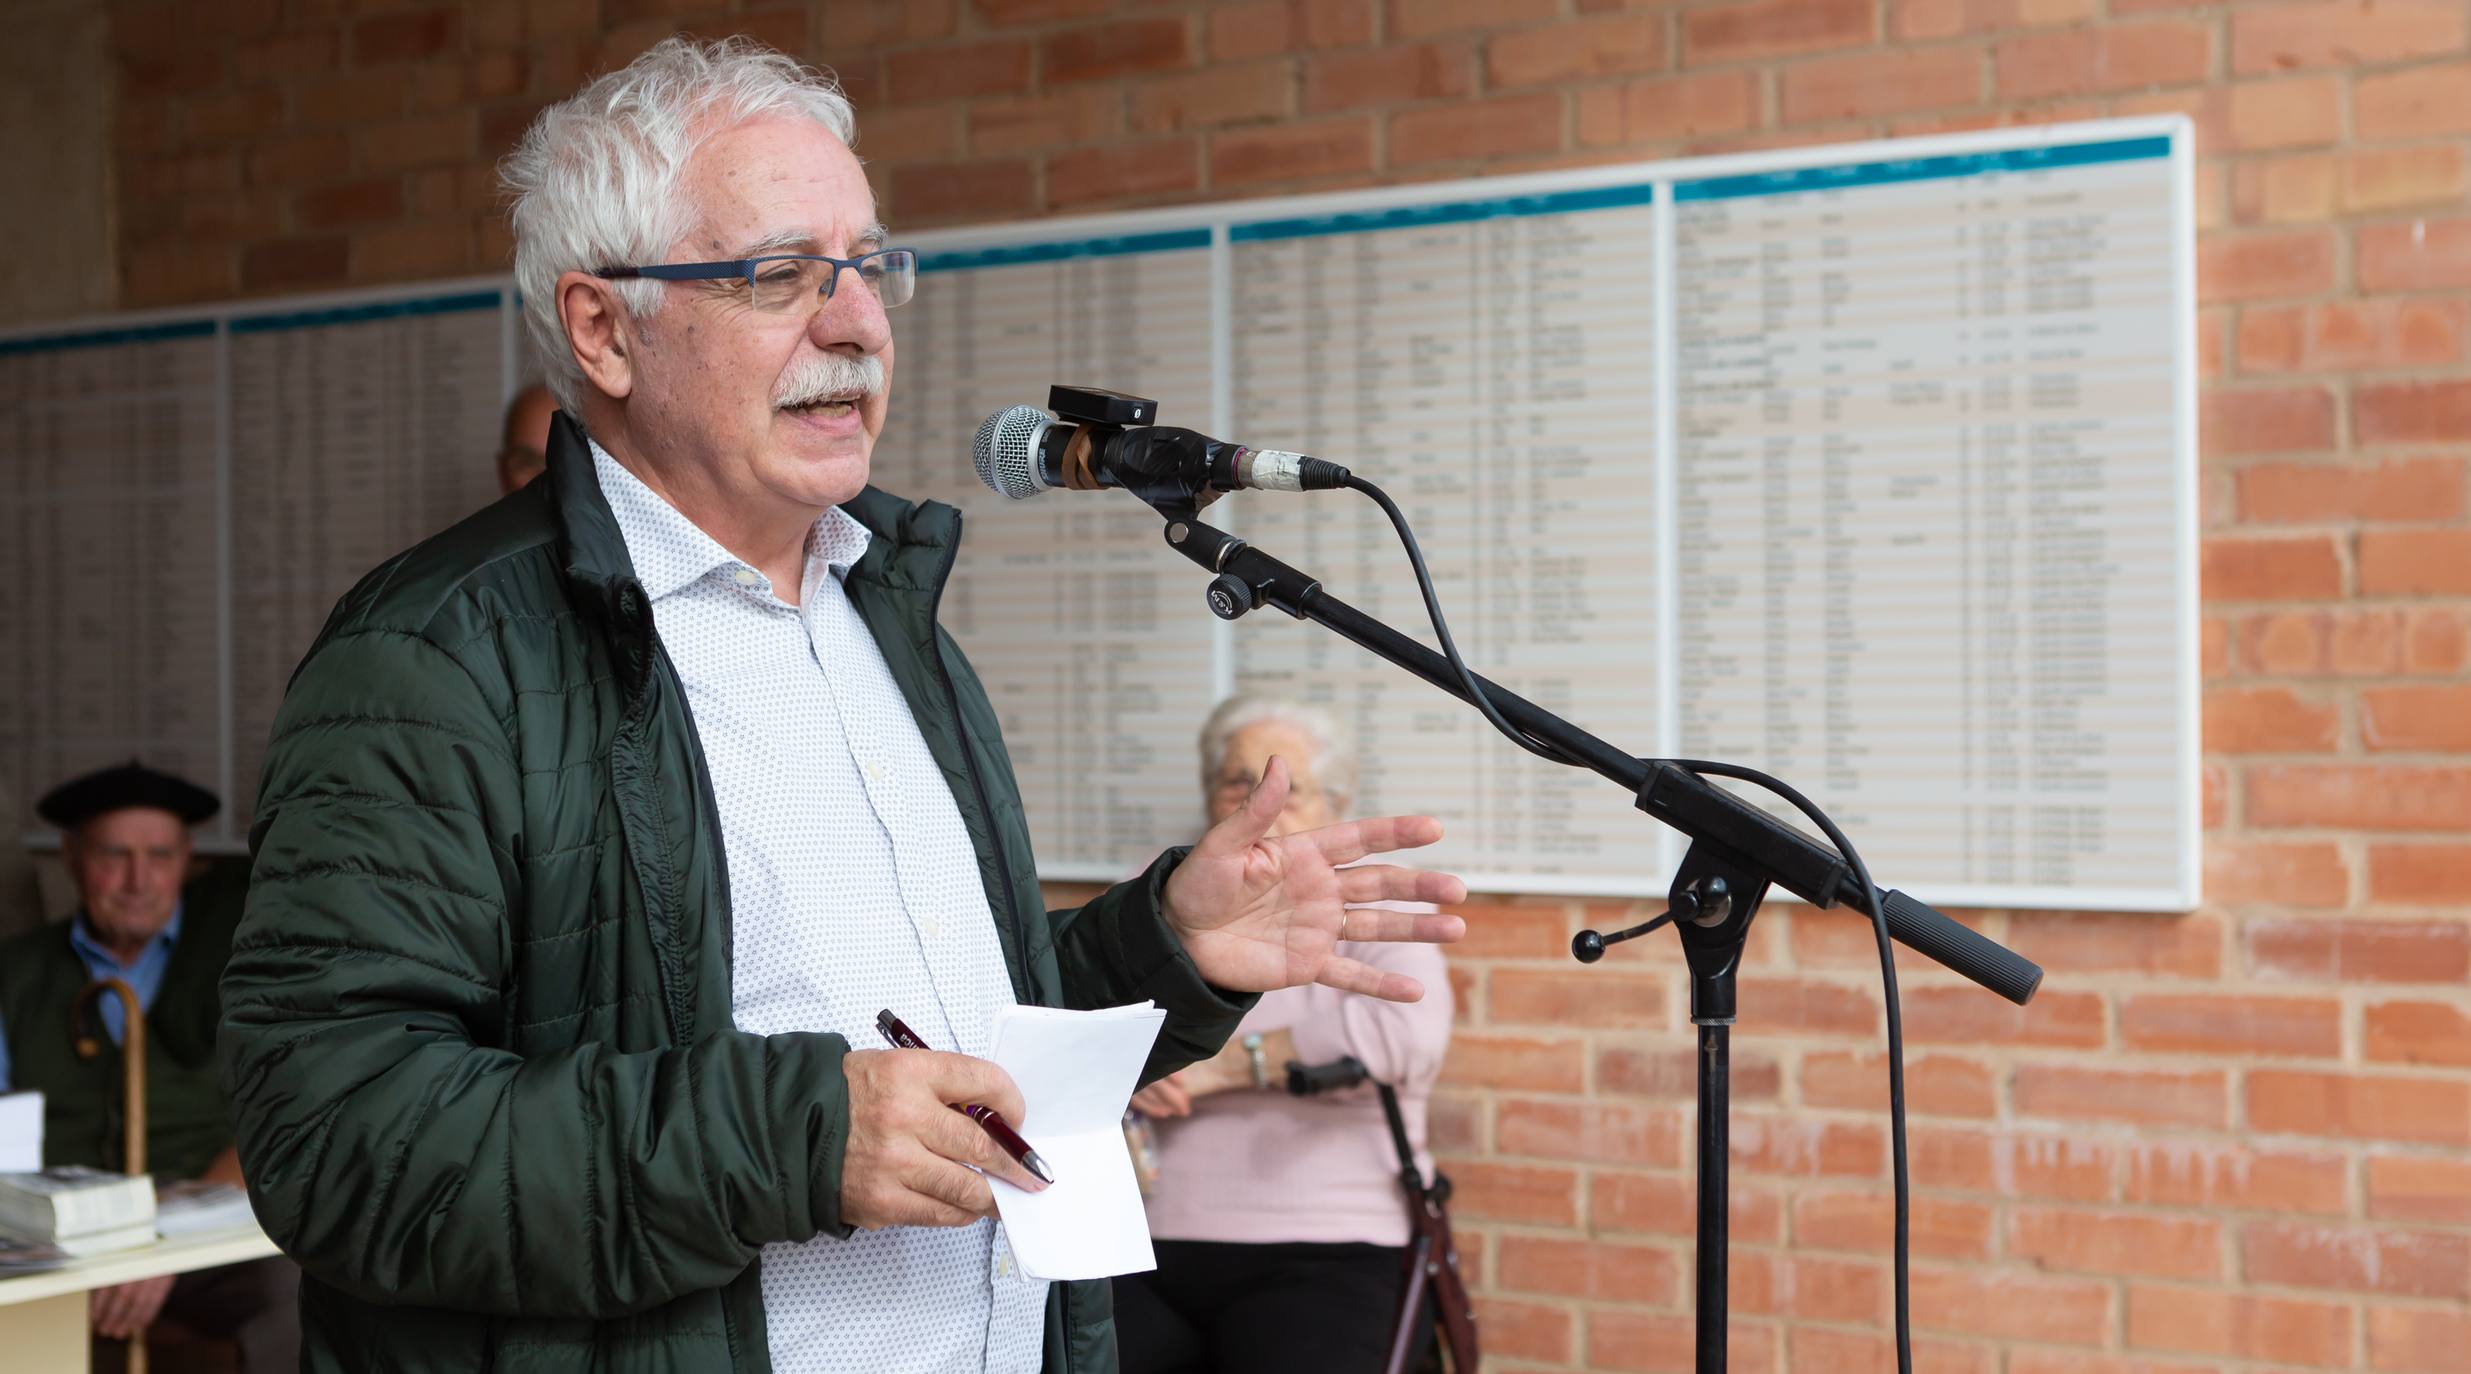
<point x="915" y="133"/>
<point x="958" y="71"/>
<point x="2010" y="1305"/>
<point x="2420" y="874"/>
<point x="2131" y="1243"/>
<point x="2397" y="178"/>
<point x="2114" y="942"/>
<point x="2316" y="493"/>
<point x="1668" y="108"/>
<point x="2309" y="874"/>
<point x="1618" y="1001"/>
<point x="2065" y="1167"/>
<point x="1802" y="1147"/>
<point x="2415" y="562"/>
<point x="1278" y="26"/>
<point x="2352" y="797"/>
<point x="354" y="202"/>
<point x="409" y="251"/>
<point x="2262" y="266"/>
<point x="2112" y="58"/>
<point x="2414" y="1189"/>
<point x="1827" y="1219"/>
<point x="2204" y="1175"/>
<point x="1922" y="20"/>
<point x="2214" y="647"/>
<point x="176" y="273"/>
<point x="1645" y="1274"/>
<point x="293" y="161"/>
<point x="1603" y="1133"/>
<point x="2417" y="1264"/>
<point x="2361" y="951"/>
<point x="2252" y="421"/>
<point x="2191" y="1024"/>
<point x="1394" y="75"/>
<point x="1675" y="1073"/>
<point x="2424" y="1111"/>
<point x="1820" y="1350"/>
<point x="2419" y="1340"/>
<point x="964" y="191"/>
<point x="1292" y="152"/>
<point x="1576" y="50"/>
<point x="1455" y="1125"/>
<point x="2160" y="1097"/>
<point x="1132" y="171"/>
<point x="881" y="23"/>
<point x="2419" y="254"/>
<point x="2342" y="33"/>
<point x="426" y="141"/>
<point x="1122" y="47"/>
<point x="408" y="37"/>
<point x="1005" y="14"/>
<point x="1532" y="1330"/>
<point x="2436" y="639"/>
<point x="1474" y="130"/>
<point x="2267" y="720"/>
<point x="2417" y="1033"/>
<point x="1968" y="1015"/>
<point x="1427" y="18"/>
<point x="1935" y="1085"/>
<point x="2303" y="112"/>
<point x="1888" y="82"/>
<point x="1953" y="1159"/>
<point x="2297" y="188"/>
<point x="2241" y="1326"/>
<point x="2417" y="102"/>
<point x="1028" y="123"/>
<point x="1502" y="1061"/>
<point x="1774" y="28"/>
<point x="1809" y="1006"/>
<point x="1514" y="1192"/>
<point x="2433" y="718"/>
<point x="280" y="264"/>
<point x="1231" y="94"/>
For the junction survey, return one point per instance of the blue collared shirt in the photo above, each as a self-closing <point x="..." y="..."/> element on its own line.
<point x="144" y="976"/>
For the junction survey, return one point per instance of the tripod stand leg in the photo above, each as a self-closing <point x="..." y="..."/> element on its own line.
<point x="1715" y="1115"/>
<point x="1411" y="1307"/>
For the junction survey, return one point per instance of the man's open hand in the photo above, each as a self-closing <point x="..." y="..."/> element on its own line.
<point x="1257" y="913"/>
<point x="912" y="1160"/>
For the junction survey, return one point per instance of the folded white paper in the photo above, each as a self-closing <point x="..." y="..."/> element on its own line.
<point x="1077" y="1071"/>
<point x="21" y="1133"/>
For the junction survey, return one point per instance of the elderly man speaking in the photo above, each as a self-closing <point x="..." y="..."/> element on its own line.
<point x="595" y="831"/>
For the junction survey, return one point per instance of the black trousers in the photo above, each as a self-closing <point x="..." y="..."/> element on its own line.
<point x="1218" y="1308"/>
<point x="255" y="1305"/>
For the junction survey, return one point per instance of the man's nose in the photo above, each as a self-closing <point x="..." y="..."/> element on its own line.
<point x="852" y="317"/>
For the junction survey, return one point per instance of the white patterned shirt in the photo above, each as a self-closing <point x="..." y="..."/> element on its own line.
<point x="853" y="888"/>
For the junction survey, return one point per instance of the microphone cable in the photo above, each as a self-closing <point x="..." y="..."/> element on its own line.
<point x="1474" y="689"/>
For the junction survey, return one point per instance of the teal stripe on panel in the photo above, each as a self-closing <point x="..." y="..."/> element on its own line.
<point x="1851" y="174"/>
<point x="1447" y="212"/>
<point x="1016" y="254"/>
<point x="105" y="338"/>
<point x="374" y="310"/>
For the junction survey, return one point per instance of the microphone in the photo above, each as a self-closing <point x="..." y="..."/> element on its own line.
<point x="1022" y="451"/>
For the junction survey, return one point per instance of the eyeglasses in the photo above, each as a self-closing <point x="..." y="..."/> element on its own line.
<point x="784" y="281"/>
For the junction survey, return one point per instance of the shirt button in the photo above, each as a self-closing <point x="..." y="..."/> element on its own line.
<point x="745" y="577"/>
<point x="875" y="771"/>
<point x="1003" y="1265"/>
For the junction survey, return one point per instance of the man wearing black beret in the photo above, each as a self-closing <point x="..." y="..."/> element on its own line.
<point x="124" y="836"/>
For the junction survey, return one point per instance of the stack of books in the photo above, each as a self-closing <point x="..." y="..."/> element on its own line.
<point x="79" y="1211"/>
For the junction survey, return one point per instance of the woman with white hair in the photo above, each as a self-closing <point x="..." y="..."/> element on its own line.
<point x="1279" y="1223"/>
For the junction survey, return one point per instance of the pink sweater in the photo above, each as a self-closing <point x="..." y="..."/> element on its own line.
<point x="1264" y="1167"/>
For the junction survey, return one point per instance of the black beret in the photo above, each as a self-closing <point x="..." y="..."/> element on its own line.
<point x="79" y="800"/>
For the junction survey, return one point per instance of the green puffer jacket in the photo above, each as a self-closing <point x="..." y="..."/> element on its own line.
<point x="476" y="1024"/>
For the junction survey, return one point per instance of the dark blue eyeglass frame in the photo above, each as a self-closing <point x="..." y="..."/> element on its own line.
<point x="894" y="262"/>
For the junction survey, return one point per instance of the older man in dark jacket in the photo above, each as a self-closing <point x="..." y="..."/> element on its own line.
<point x="587" y="828"/>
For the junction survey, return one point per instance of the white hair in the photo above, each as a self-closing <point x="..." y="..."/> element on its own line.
<point x="594" y="181"/>
<point x="1334" y="756"/>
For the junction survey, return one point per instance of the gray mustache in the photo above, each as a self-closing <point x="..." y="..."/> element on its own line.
<point x="829" y="374"/>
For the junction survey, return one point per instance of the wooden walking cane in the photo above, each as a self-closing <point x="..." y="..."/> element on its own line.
<point x="132" y="1091"/>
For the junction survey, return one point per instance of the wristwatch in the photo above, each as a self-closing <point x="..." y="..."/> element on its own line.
<point x="1261" y="1064"/>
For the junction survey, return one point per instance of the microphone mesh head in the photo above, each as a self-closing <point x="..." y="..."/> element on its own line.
<point x="1006" y="451"/>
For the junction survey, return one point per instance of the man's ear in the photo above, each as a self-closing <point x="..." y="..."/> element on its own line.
<point x="597" y="332"/>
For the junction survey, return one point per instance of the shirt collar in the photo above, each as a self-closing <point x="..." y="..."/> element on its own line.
<point x="82" y="940"/>
<point x="671" y="552"/>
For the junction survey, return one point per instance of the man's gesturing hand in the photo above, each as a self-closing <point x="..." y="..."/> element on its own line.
<point x="1259" y="912"/>
<point x="911" y="1158"/>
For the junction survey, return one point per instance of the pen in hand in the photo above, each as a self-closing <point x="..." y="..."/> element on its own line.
<point x="992" y="1121"/>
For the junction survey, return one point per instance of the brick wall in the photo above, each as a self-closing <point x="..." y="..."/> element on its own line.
<point x="2228" y="1141"/>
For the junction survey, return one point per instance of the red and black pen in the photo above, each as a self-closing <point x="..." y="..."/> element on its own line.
<point x="903" y="1038"/>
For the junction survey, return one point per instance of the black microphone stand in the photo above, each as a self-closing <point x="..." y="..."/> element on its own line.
<point x="1736" y="853"/>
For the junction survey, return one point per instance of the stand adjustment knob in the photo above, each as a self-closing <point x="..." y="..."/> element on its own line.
<point x="1230" y="596"/>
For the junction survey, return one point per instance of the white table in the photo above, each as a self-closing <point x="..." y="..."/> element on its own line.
<point x="43" y="1315"/>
